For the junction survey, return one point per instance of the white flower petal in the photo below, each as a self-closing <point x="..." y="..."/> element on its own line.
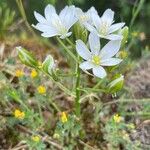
<point x="83" y="50"/>
<point x="57" y="23"/>
<point x="90" y="12"/>
<point x="39" y="17"/>
<point x="44" y="27"/>
<point x="66" y="35"/>
<point x="99" y="71"/>
<point x="110" y="62"/>
<point x="49" y="10"/>
<point x="90" y="28"/>
<point x="108" y="15"/>
<point x="68" y="17"/>
<point x="49" y="34"/>
<point x="116" y="27"/>
<point x="94" y="42"/>
<point x="110" y="49"/>
<point x="86" y="65"/>
<point x="96" y="20"/>
<point x="63" y="13"/>
<point x="114" y="37"/>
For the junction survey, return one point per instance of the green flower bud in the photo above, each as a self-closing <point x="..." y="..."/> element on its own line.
<point x="124" y="33"/>
<point x="48" y="64"/>
<point x="26" y="57"/>
<point x="80" y="32"/>
<point x="116" y="84"/>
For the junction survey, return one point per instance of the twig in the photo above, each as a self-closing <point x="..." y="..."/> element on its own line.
<point x="21" y="147"/>
<point x="88" y="146"/>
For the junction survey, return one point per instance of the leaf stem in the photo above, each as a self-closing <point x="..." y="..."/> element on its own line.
<point x="69" y="41"/>
<point x="23" y="14"/>
<point x="67" y="50"/>
<point x="136" y="12"/>
<point x="77" y="99"/>
<point x="63" y="88"/>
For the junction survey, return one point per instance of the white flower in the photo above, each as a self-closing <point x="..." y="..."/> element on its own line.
<point x="85" y="17"/>
<point x="56" y="25"/>
<point x="104" y="27"/>
<point x="96" y="58"/>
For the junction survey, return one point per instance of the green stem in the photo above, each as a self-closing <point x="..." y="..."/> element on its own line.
<point x="55" y="106"/>
<point x="67" y="50"/>
<point x="98" y="84"/>
<point x="40" y="111"/>
<point x="77" y="99"/>
<point x="23" y="14"/>
<point x="63" y="88"/>
<point x="68" y="40"/>
<point x="136" y="12"/>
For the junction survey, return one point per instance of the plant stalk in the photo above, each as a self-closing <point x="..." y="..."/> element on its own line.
<point x="77" y="99"/>
<point x="23" y="14"/>
<point x="67" y="50"/>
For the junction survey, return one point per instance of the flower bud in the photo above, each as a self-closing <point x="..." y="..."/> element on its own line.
<point x="80" y="32"/>
<point x="48" y="64"/>
<point x="116" y="84"/>
<point x="124" y="33"/>
<point x="26" y="57"/>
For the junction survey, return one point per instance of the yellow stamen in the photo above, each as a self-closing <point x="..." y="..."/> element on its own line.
<point x="104" y="28"/>
<point x="96" y="60"/>
<point x="83" y="18"/>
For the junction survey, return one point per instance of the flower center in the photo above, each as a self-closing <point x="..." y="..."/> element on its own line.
<point x="83" y="18"/>
<point x="96" y="60"/>
<point x="104" y="28"/>
<point x="59" y="26"/>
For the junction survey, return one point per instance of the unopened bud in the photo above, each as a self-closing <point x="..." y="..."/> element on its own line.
<point x="26" y="57"/>
<point x="116" y="84"/>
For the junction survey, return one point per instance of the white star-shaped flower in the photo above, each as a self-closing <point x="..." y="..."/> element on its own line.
<point x="85" y="17"/>
<point x="104" y="27"/>
<point x="56" y="25"/>
<point x="96" y="58"/>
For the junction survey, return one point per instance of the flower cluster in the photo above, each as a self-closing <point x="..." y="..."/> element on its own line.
<point x="99" y="27"/>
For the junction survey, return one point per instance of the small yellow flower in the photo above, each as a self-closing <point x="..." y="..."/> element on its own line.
<point x="36" y="138"/>
<point x="33" y="73"/>
<point x="19" y="73"/>
<point x="64" y="117"/>
<point x="41" y="89"/>
<point x="117" y="118"/>
<point x="19" y="114"/>
<point x="56" y="136"/>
